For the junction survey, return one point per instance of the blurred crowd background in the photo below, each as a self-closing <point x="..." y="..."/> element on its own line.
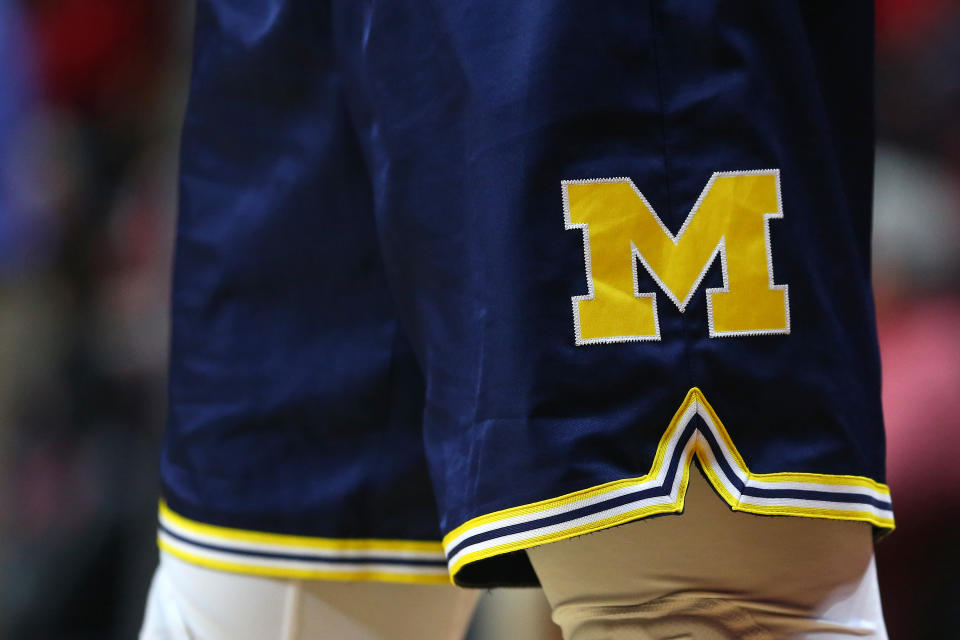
<point x="91" y="97"/>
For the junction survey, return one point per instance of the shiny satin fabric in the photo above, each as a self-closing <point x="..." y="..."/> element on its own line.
<point x="374" y="344"/>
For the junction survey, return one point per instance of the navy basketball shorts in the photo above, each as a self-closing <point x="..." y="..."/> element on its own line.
<point x="458" y="279"/>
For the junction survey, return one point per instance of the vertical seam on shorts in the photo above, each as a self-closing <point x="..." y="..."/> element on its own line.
<point x="475" y="451"/>
<point x="658" y="73"/>
<point x="661" y="101"/>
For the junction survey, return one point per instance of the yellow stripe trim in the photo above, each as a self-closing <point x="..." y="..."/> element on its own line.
<point x="815" y="478"/>
<point x="308" y="574"/>
<point x="583" y="529"/>
<point x="279" y="539"/>
<point x="583" y="493"/>
<point x="694" y="395"/>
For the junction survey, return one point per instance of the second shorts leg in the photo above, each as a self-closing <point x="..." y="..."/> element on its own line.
<point x="712" y="573"/>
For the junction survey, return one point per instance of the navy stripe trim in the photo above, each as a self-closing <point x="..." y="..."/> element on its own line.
<point x="801" y="494"/>
<point x="338" y="559"/>
<point x="664" y="489"/>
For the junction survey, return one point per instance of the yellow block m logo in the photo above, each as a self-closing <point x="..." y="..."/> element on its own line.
<point x="620" y="228"/>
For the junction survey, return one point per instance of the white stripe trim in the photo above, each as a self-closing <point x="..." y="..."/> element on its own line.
<point x="586" y="502"/>
<point x="545" y="513"/>
<point x="728" y="456"/>
<point x="304" y="565"/>
<point x="266" y="547"/>
<point x="784" y="484"/>
<point x="709" y="460"/>
<point x="712" y="463"/>
<point x="816" y="504"/>
<point x="570" y="524"/>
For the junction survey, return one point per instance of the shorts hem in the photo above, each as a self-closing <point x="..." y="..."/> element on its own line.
<point x="300" y="557"/>
<point x="662" y="491"/>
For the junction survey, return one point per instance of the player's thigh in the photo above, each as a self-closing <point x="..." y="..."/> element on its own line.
<point x="714" y="573"/>
<point x="192" y="602"/>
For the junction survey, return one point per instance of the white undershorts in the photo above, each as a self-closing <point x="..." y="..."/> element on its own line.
<point x="189" y="602"/>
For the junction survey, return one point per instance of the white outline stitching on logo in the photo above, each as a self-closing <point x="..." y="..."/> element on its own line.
<point x="720" y="250"/>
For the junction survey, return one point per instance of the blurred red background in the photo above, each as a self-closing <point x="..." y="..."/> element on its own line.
<point x="91" y="95"/>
